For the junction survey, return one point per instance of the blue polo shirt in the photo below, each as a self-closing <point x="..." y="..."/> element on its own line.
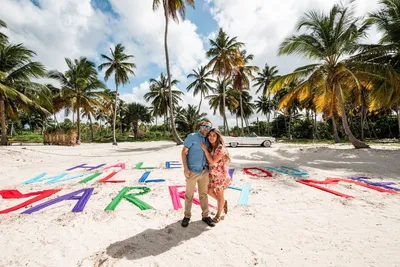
<point x="196" y="159"/>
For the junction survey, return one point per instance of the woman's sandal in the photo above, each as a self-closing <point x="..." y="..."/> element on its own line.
<point x="226" y="207"/>
<point x="216" y="219"/>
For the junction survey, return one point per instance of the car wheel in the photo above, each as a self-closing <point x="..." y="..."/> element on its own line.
<point x="233" y="144"/>
<point x="267" y="143"/>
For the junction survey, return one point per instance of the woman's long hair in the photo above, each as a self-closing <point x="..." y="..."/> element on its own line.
<point x="219" y="141"/>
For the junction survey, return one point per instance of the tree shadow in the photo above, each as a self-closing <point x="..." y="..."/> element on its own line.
<point x="153" y="242"/>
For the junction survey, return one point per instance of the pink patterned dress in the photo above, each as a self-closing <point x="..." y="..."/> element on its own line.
<point x="219" y="176"/>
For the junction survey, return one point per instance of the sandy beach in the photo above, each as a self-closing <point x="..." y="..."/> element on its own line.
<point x="285" y="223"/>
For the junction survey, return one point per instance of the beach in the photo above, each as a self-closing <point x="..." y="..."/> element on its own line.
<point x="283" y="223"/>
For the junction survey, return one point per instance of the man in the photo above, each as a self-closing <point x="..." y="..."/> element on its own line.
<point x="195" y="170"/>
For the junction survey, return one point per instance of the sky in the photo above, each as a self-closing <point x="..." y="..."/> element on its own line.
<point x="61" y="29"/>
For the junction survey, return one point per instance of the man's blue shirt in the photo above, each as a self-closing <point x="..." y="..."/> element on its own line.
<point x="196" y="159"/>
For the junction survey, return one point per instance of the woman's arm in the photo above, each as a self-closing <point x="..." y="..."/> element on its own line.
<point x="212" y="160"/>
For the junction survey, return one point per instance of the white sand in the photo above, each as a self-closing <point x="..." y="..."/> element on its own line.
<point x="284" y="224"/>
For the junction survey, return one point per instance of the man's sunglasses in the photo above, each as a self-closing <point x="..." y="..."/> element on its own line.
<point x="206" y="127"/>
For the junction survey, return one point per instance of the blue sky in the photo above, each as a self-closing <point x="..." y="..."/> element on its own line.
<point x="76" y="28"/>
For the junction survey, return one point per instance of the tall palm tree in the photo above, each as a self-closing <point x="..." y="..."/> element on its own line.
<point x="17" y="91"/>
<point x="171" y="10"/>
<point x="330" y="39"/>
<point x="223" y="94"/>
<point x="189" y="119"/>
<point x="78" y="85"/>
<point x="264" y="78"/>
<point x="224" y="53"/>
<point x="159" y="95"/>
<point x="202" y="83"/>
<point x="117" y="64"/>
<point x="241" y="75"/>
<point x="245" y="108"/>
<point x="387" y="92"/>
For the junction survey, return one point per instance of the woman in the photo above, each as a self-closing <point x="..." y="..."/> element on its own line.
<point x="218" y="159"/>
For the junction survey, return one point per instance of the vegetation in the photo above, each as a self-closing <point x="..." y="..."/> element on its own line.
<point x="354" y="87"/>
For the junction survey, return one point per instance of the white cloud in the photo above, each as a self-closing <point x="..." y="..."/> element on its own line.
<point x="56" y="29"/>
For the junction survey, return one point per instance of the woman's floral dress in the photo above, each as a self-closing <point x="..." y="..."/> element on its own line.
<point x="219" y="176"/>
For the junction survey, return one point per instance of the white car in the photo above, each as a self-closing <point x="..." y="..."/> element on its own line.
<point x="253" y="139"/>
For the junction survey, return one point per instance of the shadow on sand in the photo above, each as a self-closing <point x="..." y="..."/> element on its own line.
<point x="153" y="242"/>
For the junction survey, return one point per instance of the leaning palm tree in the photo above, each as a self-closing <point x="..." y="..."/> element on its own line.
<point x="17" y="91"/>
<point x="330" y="39"/>
<point x="201" y="84"/>
<point x="171" y="10"/>
<point x="159" y="96"/>
<point x="117" y="65"/>
<point x="224" y="53"/>
<point x="79" y="85"/>
<point x="241" y="75"/>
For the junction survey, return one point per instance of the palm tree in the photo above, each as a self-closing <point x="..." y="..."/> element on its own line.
<point x="387" y="20"/>
<point x="265" y="106"/>
<point x="159" y="95"/>
<point x="264" y="78"/>
<point x="17" y="91"/>
<point x="3" y="37"/>
<point x="245" y="108"/>
<point x="241" y="75"/>
<point x="224" y="53"/>
<point x="202" y="83"/>
<point x="329" y="39"/>
<point x="78" y="85"/>
<point x="117" y="65"/>
<point x="171" y="10"/>
<point x="137" y="113"/>
<point x="223" y="94"/>
<point x="189" y="119"/>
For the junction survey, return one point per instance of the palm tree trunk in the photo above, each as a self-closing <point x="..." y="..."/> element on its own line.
<point x="115" y="114"/>
<point x="165" y="122"/>
<point x="335" y="130"/>
<point x="237" y="121"/>
<point x="247" y="125"/>
<point x="201" y="99"/>
<point x="3" y="123"/>
<point x="175" y="134"/>
<point x="315" y="125"/>
<point x="354" y="141"/>
<point x="78" y="120"/>
<point x="101" y="130"/>
<point x="398" y="117"/>
<point x="289" y="127"/>
<point x="241" y="111"/>
<point x="362" y="122"/>
<point x="91" y="129"/>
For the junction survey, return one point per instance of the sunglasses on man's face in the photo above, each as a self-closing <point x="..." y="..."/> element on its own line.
<point x="206" y="127"/>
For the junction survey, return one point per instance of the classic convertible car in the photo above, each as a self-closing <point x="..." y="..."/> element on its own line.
<point x="253" y="139"/>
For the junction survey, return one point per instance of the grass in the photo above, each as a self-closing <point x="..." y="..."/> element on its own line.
<point x="27" y="137"/>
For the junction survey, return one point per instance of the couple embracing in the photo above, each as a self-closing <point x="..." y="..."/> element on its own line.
<point x="205" y="161"/>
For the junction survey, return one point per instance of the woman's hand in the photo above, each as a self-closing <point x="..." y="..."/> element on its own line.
<point x="204" y="147"/>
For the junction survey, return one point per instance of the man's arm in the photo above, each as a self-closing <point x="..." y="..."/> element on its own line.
<point x="186" y="170"/>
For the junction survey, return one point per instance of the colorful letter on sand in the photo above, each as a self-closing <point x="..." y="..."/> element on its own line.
<point x="15" y="194"/>
<point x="176" y="196"/>
<point x="257" y="172"/>
<point x="288" y="171"/>
<point x="244" y="195"/>
<point x="131" y="198"/>
<point x="316" y="184"/>
<point x="80" y="205"/>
